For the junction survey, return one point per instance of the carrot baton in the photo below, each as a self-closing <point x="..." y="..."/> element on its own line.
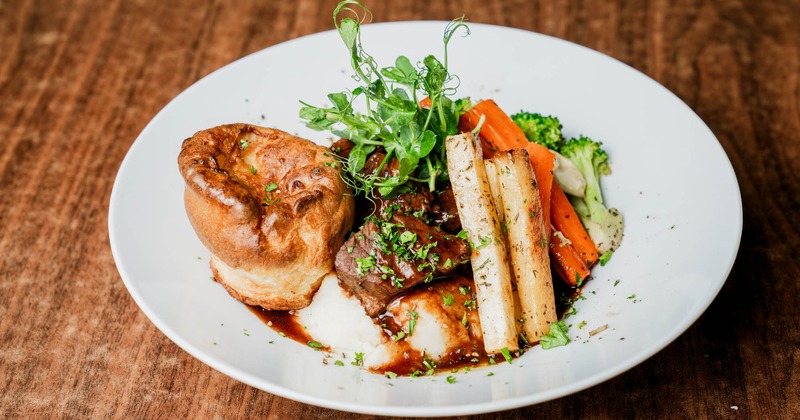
<point x="566" y="221"/>
<point x="500" y="133"/>
<point x="567" y="263"/>
<point x="468" y="121"/>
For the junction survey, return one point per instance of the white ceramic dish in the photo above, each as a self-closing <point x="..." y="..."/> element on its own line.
<point x="672" y="181"/>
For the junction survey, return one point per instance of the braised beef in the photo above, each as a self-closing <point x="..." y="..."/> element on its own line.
<point x="444" y="211"/>
<point x="374" y="162"/>
<point x="387" y="258"/>
<point x="417" y="202"/>
<point x="342" y="148"/>
<point x="405" y="239"/>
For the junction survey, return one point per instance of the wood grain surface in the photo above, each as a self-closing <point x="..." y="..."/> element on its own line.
<point x="80" y="79"/>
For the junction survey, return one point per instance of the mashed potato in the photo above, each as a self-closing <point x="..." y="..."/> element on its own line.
<point x="435" y="325"/>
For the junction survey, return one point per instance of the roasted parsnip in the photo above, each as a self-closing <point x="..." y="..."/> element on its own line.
<point x="489" y="256"/>
<point x="494" y="187"/>
<point x="527" y="240"/>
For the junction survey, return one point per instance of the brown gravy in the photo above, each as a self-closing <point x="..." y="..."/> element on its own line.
<point x="407" y="361"/>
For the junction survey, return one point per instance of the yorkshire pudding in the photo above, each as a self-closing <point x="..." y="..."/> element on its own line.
<point x="271" y="207"/>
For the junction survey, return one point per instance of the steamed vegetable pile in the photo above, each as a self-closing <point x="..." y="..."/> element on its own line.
<point x="529" y="200"/>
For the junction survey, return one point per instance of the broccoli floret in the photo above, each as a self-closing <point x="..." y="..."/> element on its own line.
<point x="592" y="162"/>
<point x="540" y="129"/>
<point x="604" y="225"/>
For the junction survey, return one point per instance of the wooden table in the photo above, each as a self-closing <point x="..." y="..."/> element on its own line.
<point x="80" y="79"/>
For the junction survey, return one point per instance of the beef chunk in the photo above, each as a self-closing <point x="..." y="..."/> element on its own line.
<point x="342" y="148"/>
<point x="416" y="202"/>
<point x="444" y="211"/>
<point x="385" y="259"/>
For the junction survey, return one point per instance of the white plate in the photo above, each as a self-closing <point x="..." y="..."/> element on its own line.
<point x="672" y="181"/>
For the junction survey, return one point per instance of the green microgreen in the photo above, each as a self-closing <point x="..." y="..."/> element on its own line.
<point x="393" y="117"/>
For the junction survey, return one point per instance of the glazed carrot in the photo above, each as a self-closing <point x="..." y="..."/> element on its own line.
<point x="566" y="261"/>
<point x="499" y="133"/>
<point x="566" y="221"/>
<point x="468" y="121"/>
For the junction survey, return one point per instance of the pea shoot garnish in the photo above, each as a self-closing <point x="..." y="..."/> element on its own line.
<point x="394" y="118"/>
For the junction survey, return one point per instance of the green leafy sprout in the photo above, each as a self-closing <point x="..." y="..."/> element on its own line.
<point x="393" y="119"/>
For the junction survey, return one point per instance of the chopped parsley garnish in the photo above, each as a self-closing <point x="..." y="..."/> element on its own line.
<point x="448" y="299"/>
<point x="429" y="364"/>
<point x="270" y="199"/>
<point x="412" y="322"/>
<point x="605" y="257"/>
<point x="451" y="379"/>
<point x="338" y="363"/>
<point x="364" y="264"/>
<point x="359" y="360"/>
<point x="462" y="234"/>
<point x="486" y="240"/>
<point x="506" y="354"/>
<point x="315" y="344"/>
<point x="556" y="337"/>
<point x="243" y="143"/>
<point x="392" y="239"/>
<point x="408" y="237"/>
<point x="397" y="281"/>
<point x="422" y="252"/>
<point x="391" y="375"/>
<point x="252" y="169"/>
